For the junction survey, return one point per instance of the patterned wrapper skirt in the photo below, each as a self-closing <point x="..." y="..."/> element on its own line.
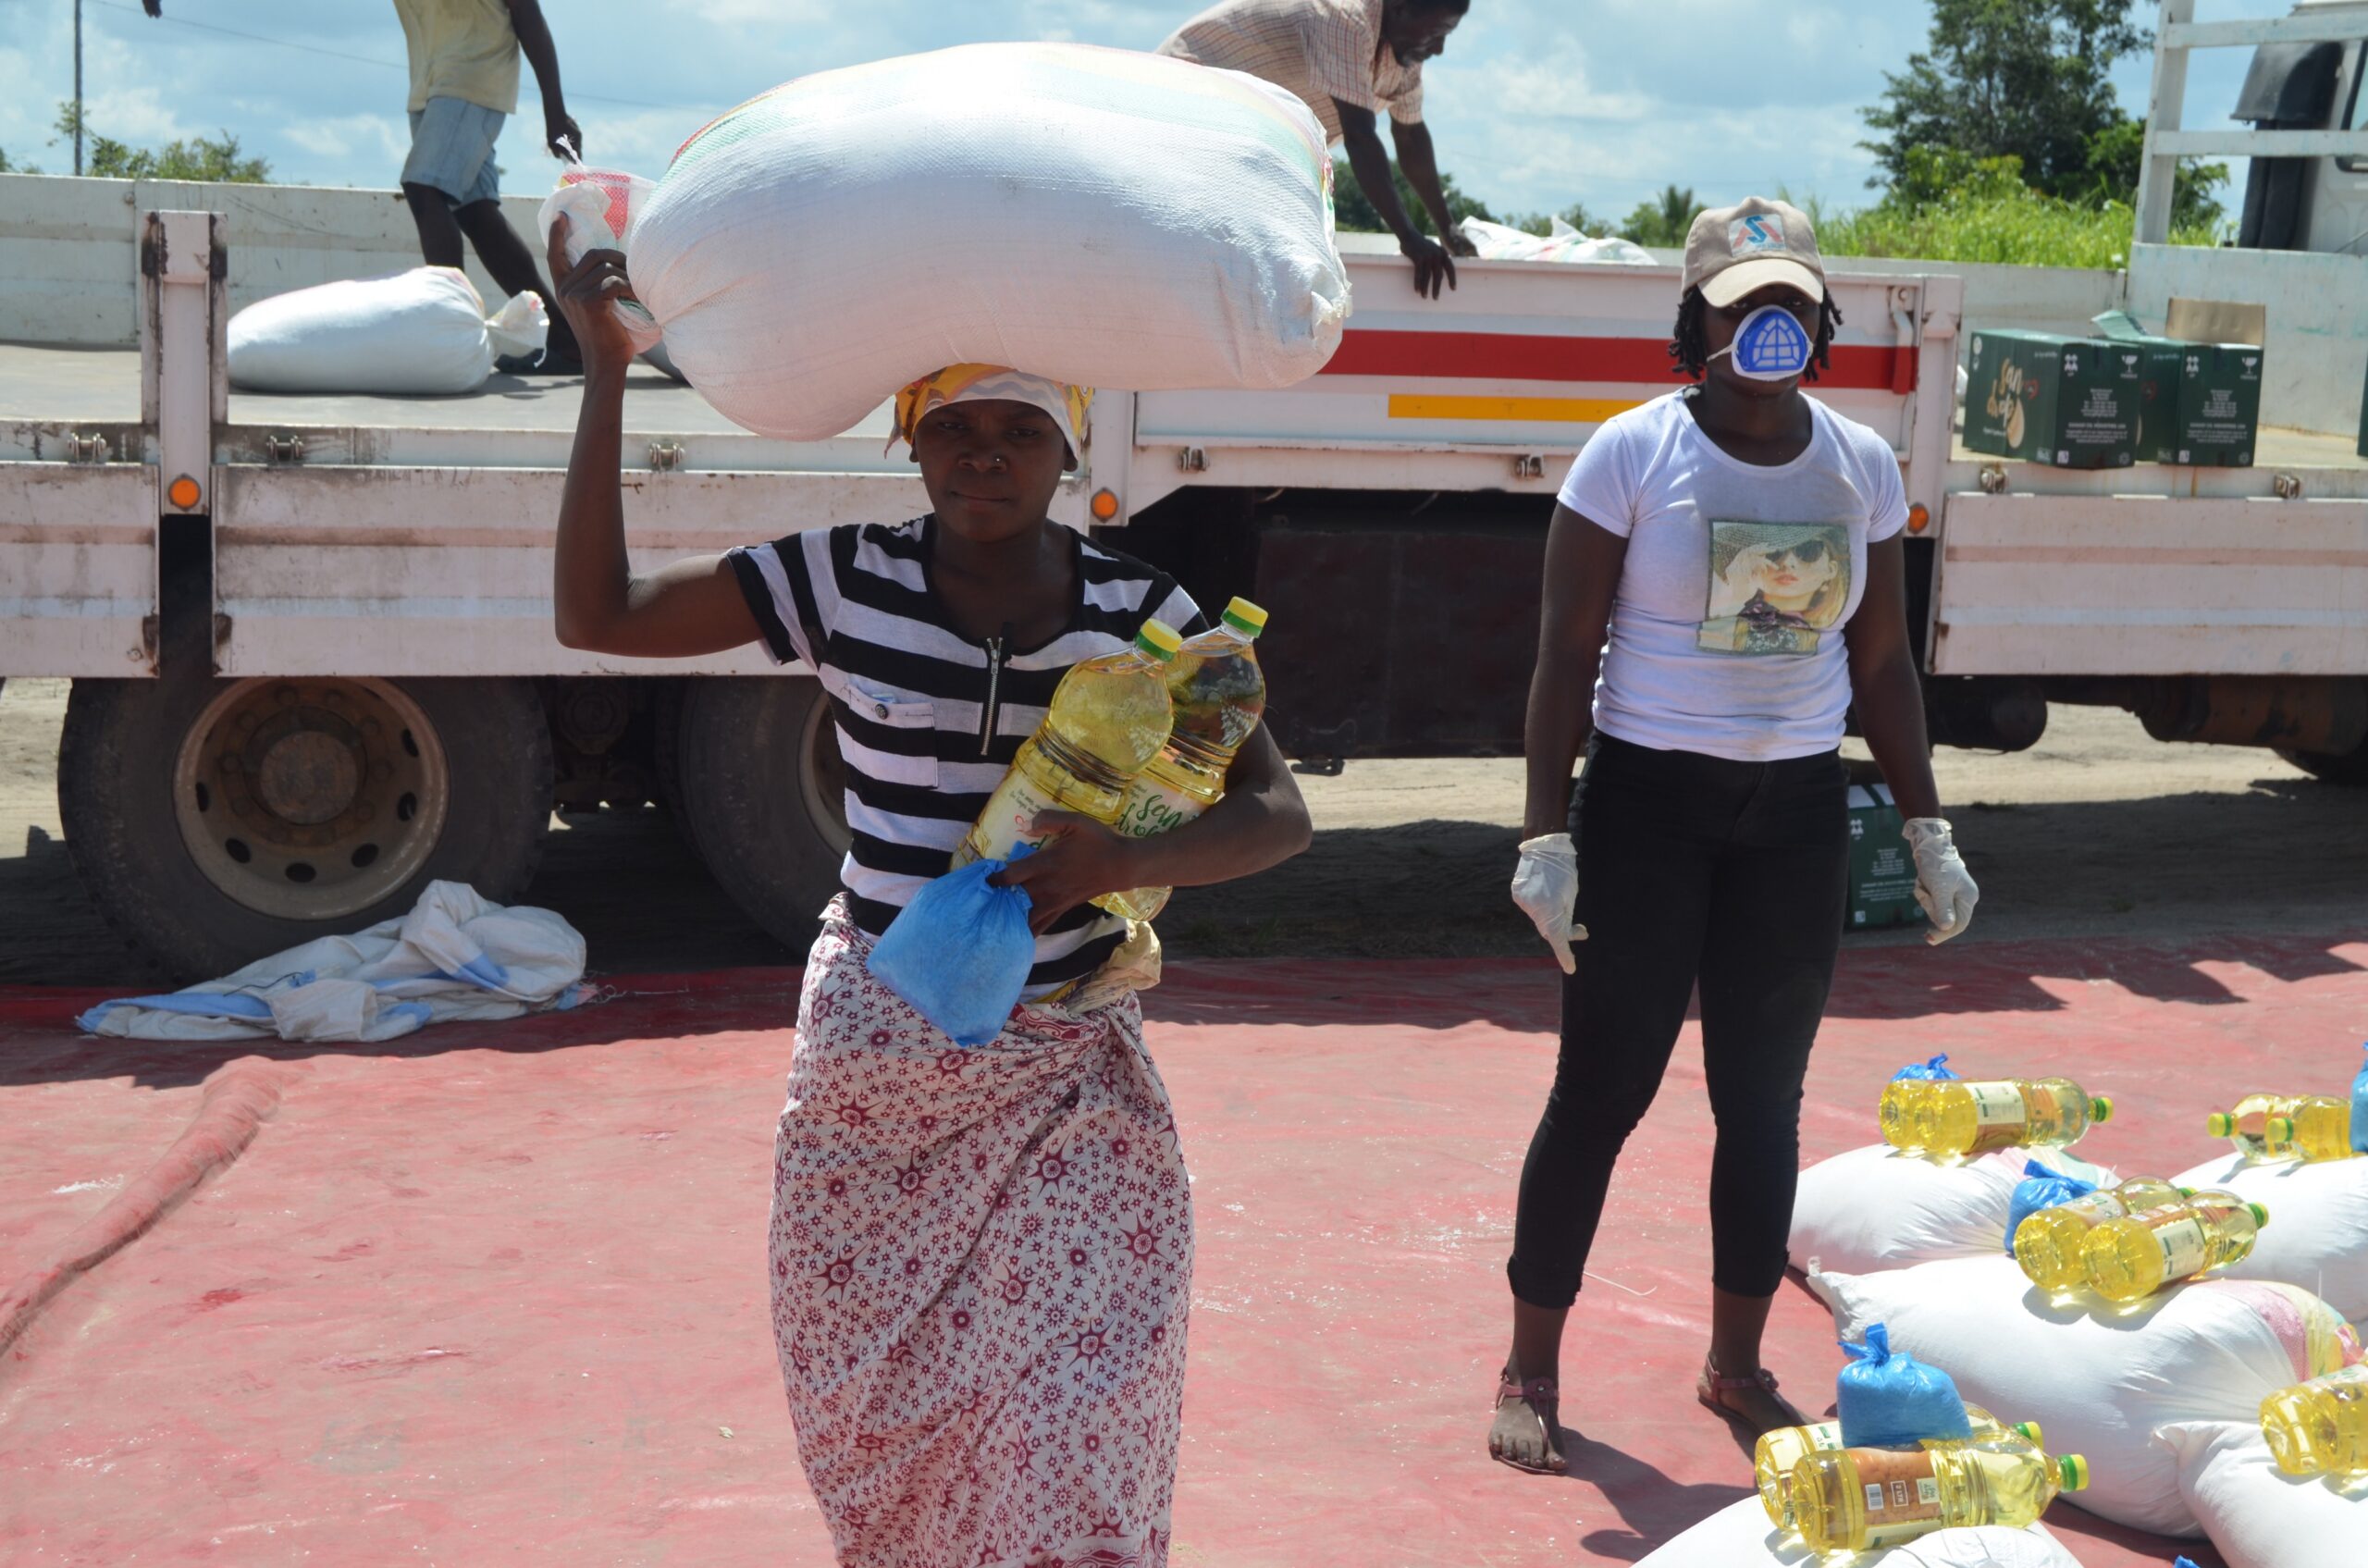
<point x="981" y="1262"/>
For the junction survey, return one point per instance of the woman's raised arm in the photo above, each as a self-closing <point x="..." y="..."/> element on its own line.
<point x="690" y="607"/>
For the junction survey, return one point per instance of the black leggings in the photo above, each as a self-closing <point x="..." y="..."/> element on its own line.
<point x="1690" y="867"/>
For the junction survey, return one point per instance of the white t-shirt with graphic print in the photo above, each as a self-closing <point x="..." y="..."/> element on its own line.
<point x="1726" y="632"/>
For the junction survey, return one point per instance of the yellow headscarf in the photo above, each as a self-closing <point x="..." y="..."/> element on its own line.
<point x="1068" y="407"/>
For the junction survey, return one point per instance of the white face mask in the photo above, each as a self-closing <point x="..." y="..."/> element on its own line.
<point x="1770" y="345"/>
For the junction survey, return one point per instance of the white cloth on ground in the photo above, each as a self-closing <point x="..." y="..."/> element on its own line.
<point x="455" y="957"/>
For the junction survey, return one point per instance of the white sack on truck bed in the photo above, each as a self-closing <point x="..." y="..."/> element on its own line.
<point x="1096" y="215"/>
<point x="415" y="333"/>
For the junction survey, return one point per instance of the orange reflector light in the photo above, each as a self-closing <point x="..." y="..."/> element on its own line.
<point x="183" y="492"/>
<point x="1105" y="505"/>
<point x="1919" y="517"/>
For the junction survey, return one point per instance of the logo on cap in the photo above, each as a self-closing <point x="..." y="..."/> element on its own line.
<point x="1761" y="231"/>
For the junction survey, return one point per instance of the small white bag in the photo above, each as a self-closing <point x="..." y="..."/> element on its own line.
<point x="421" y="332"/>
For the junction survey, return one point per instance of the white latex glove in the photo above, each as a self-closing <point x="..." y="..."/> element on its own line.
<point x="1943" y="885"/>
<point x="1545" y="885"/>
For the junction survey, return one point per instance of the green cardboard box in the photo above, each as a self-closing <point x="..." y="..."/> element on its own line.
<point x="1882" y="868"/>
<point x="2069" y="402"/>
<point x="2198" y="403"/>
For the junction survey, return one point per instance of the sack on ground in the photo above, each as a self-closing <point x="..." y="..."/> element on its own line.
<point x="1111" y="219"/>
<point x="959" y="953"/>
<point x="1877" y="1208"/>
<point x="1740" y="1536"/>
<point x="2041" y="1186"/>
<point x="2258" y="1515"/>
<point x="416" y="333"/>
<point x="2317" y="1234"/>
<point x="2100" y="1382"/>
<point x="1888" y="1398"/>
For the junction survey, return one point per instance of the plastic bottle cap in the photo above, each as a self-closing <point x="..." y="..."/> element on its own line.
<point x="2101" y="1109"/>
<point x="1245" y="617"/>
<point x="1159" y="640"/>
<point x="2183" y="1191"/>
<point x="2074" y="1471"/>
<point x="2261" y="1215"/>
<point x="2220" y="1124"/>
<point x="2280" y="1129"/>
<point x="2031" y="1429"/>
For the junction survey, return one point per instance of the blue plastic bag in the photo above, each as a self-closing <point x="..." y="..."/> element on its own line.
<point x="959" y="953"/>
<point x="1936" y="1068"/>
<point x="1888" y="1399"/>
<point x="2041" y="1189"/>
<point x="2360" y="1109"/>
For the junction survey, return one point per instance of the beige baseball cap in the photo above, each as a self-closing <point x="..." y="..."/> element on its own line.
<point x="1730" y="251"/>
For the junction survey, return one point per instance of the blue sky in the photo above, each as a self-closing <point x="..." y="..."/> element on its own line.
<point x="1536" y="103"/>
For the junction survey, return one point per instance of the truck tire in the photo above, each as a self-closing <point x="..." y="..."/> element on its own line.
<point x="763" y="796"/>
<point x="216" y="821"/>
<point x="2347" y="768"/>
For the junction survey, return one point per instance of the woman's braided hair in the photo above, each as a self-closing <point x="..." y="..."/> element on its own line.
<point x="1689" y="349"/>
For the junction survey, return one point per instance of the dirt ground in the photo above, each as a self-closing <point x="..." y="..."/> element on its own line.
<point x="2097" y="830"/>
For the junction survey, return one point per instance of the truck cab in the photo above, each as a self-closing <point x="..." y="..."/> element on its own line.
<point x="2309" y="202"/>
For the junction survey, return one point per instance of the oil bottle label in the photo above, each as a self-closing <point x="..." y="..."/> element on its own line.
<point x="2185" y="1247"/>
<point x="1007" y="821"/>
<point x="1903" y="1496"/>
<point x="1153" y="808"/>
<point x="1997" y="1105"/>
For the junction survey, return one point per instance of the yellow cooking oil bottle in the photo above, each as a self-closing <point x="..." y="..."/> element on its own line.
<point x="2320" y="1427"/>
<point x="2317" y="1127"/>
<point x="2050" y="1243"/>
<point x="1775" y="1454"/>
<point x="1218" y="694"/>
<point x="1865" y="1499"/>
<point x="1896" y="1109"/>
<point x="1108" y="718"/>
<point x="1974" y="1118"/>
<point x="2247" y="1125"/>
<point x="2132" y="1257"/>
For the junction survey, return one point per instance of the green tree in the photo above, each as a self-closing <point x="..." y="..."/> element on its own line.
<point x="1351" y="212"/>
<point x="1575" y="214"/>
<point x="2026" y="79"/>
<point x="1663" y="220"/>
<point x="2116" y="155"/>
<point x="212" y="158"/>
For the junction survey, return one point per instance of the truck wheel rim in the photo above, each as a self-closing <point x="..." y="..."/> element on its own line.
<point x="822" y="779"/>
<point x="309" y="799"/>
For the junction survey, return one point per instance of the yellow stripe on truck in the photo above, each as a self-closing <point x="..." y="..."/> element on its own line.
<point x="1544" y="410"/>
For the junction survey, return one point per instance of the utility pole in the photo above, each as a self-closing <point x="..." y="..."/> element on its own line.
<point x="78" y="86"/>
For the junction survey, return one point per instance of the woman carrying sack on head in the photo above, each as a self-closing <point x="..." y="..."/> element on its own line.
<point x="1724" y="581"/>
<point x="980" y="1259"/>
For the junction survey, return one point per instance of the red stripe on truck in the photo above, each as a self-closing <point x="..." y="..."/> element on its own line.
<point x="1506" y="356"/>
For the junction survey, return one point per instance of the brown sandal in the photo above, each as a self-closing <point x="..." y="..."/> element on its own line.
<point x="1538" y="1394"/>
<point x="1710" y="1385"/>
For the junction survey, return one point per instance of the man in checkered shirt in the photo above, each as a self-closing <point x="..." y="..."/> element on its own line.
<point x="1350" y="60"/>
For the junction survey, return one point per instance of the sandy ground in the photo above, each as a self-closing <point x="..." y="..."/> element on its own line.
<point x="2098" y="831"/>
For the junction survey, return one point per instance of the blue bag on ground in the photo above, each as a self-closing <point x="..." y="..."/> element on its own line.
<point x="2041" y="1189"/>
<point x="1889" y="1400"/>
<point x="1935" y="1069"/>
<point x="960" y="952"/>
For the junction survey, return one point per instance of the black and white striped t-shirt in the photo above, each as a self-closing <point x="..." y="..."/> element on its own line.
<point x="928" y="721"/>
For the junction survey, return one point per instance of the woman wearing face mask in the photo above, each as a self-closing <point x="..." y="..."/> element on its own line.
<point x="1724" y="581"/>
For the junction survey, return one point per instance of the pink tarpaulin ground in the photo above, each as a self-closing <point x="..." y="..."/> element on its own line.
<point x="494" y="1294"/>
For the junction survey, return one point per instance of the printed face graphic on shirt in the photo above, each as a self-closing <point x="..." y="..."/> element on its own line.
<point x="1775" y="588"/>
